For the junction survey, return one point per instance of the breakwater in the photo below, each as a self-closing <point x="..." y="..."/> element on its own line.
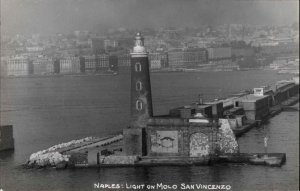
<point x="111" y="154"/>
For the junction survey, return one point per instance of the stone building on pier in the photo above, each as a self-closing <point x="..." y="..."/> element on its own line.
<point x="189" y="131"/>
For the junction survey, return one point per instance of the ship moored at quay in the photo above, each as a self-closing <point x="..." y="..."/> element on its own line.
<point x="201" y="133"/>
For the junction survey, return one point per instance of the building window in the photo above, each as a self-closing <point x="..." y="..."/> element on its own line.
<point x="139" y="105"/>
<point x="139" y="86"/>
<point x="138" y="67"/>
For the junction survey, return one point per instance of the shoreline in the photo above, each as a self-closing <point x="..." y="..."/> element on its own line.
<point x="151" y="71"/>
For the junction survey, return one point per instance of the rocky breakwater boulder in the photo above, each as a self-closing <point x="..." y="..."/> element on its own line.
<point x="48" y="159"/>
<point x="227" y="140"/>
<point x="53" y="157"/>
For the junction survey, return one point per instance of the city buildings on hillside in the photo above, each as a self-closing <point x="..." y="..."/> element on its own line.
<point x="217" y="46"/>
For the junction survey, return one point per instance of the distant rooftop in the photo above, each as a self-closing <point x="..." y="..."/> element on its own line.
<point x="252" y="97"/>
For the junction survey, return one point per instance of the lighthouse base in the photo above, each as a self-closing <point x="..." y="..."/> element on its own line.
<point x="134" y="141"/>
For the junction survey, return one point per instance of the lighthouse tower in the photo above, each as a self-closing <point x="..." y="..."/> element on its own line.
<point x="141" y="100"/>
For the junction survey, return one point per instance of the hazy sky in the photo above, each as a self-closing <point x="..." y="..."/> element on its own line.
<point x="51" y="16"/>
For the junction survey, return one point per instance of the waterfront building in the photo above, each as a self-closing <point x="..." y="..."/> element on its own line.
<point x="56" y="65"/>
<point x="175" y="57"/>
<point x="155" y="64"/>
<point x="219" y="53"/>
<point x="43" y="65"/>
<point x="194" y="57"/>
<point x="256" y="107"/>
<point x="242" y="52"/>
<point x="220" y="58"/>
<point x="281" y="49"/>
<point x="187" y="57"/>
<point x="158" y="59"/>
<point x="18" y="66"/>
<point x="102" y="62"/>
<point x="124" y="60"/>
<point x="69" y="65"/>
<point x="89" y="63"/>
<point x="82" y="64"/>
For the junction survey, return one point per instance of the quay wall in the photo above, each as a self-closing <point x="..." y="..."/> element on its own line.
<point x="180" y="140"/>
<point x="6" y="137"/>
<point x="284" y="93"/>
<point x="258" y="107"/>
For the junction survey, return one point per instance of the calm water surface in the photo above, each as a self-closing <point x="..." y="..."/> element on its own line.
<point x="47" y="111"/>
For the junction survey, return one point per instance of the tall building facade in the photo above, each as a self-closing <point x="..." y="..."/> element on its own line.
<point x="43" y="65"/>
<point x="219" y="53"/>
<point x="18" y="66"/>
<point x="158" y="59"/>
<point x="102" y="62"/>
<point x="90" y="63"/>
<point x="124" y="60"/>
<point x="69" y="65"/>
<point x="141" y="99"/>
<point x="187" y="58"/>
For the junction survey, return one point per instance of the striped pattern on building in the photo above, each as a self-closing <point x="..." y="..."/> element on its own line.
<point x="18" y="66"/>
<point x="69" y="65"/>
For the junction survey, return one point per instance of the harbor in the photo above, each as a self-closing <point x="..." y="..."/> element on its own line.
<point x="149" y="95"/>
<point x="201" y="133"/>
<point x="46" y="122"/>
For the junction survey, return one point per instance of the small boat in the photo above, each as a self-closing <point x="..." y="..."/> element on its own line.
<point x="266" y="160"/>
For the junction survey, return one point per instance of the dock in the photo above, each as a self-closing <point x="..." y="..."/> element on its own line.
<point x="264" y="159"/>
<point x="275" y="110"/>
<point x="267" y="159"/>
<point x="173" y="161"/>
<point x="245" y="128"/>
